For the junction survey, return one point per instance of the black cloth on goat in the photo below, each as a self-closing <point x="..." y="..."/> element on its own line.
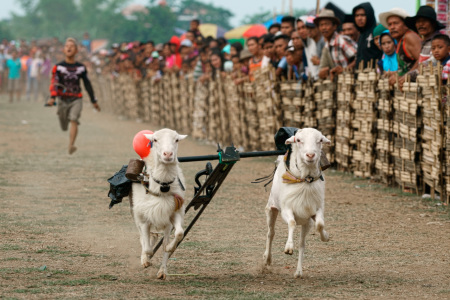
<point x="119" y="186"/>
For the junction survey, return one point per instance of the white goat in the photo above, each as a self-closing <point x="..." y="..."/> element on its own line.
<point x="160" y="206"/>
<point x="298" y="192"/>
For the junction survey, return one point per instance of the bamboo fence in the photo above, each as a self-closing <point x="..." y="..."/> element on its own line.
<point x="398" y="137"/>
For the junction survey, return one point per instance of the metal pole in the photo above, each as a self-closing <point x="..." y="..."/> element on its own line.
<point x="317" y="7"/>
<point x="242" y="155"/>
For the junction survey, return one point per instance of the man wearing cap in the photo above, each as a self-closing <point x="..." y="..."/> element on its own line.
<point x="427" y="26"/>
<point x="365" y="22"/>
<point x="408" y="43"/>
<point x="339" y="51"/>
<point x="349" y="28"/>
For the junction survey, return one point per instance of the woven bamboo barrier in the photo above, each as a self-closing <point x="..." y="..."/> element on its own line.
<point x="324" y="96"/>
<point x="344" y="116"/>
<point x="406" y="127"/>
<point x="363" y="123"/>
<point x="234" y="112"/>
<point x="251" y="116"/>
<point x="397" y="137"/>
<point x="265" y="107"/>
<point x="432" y="155"/>
<point x="199" y="116"/>
<point x="384" y="163"/>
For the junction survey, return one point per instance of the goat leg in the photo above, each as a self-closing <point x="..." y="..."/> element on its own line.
<point x="147" y="250"/>
<point x="288" y="215"/>
<point x="271" y="216"/>
<point x="163" y="269"/>
<point x="320" y="226"/>
<point x="305" y="230"/>
<point x="179" y="232"/>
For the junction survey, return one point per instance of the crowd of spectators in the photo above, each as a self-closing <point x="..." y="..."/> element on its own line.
<point x="306" y="47"/>
<point x="25" y="67"/>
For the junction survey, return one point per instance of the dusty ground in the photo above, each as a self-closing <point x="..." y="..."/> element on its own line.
<point x="59" y="240"/>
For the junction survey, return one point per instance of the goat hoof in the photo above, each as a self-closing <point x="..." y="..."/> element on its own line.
<point x="289" y="251"/>
<point x="298" y="275"/>
<point x="324" y="237"/>
<point x="146" y="264"/>
<point x="267" y="260"/>
<point x="161" y="275"/>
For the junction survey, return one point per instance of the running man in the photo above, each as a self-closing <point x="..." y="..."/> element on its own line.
<point x="65" y="84"/>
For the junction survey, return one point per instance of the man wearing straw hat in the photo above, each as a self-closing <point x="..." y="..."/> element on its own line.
<point x="427" y="26"/>
<point x="409" y="43"/>
<point x="339" y="51"/>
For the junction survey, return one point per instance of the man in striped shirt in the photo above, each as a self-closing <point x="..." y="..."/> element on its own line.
<point x="339" y="51"/>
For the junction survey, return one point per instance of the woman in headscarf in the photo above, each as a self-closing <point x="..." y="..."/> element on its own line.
<point x="388" y="62"/>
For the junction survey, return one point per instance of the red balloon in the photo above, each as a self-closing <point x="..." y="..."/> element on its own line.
<point x="141" y="144"/>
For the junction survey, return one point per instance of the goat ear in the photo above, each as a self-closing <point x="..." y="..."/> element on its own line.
<point x="290" y="140"/>
<point x="182" y="136"/>
<point x="149" y="136"/>
<point x="325" y="141"/>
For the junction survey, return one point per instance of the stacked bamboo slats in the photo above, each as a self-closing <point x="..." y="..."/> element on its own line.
<point x="265" y="107"/>
<point x="200" y="114"/>
<point x="119" y="98"/>
<point x="344" y="133"/>
<point x="384" y="163"/>
<point x="145" y="100"/>
<point x="234" y="113"/>
<point x="224" y="136"/>
<point x="242" y="117"/>
<point x="396" y="136"/>
<point x="309" y="112"/>
<point x="164" y="101"/>
<point x="432" y="164"/>
<point x="184" y="111"/>
<point x="293" y="104"/>
<point x="155" y="102"/>
<point x="446" y="160"/>
<point x="251" y="116"/>
<point x="326" y="113"/>
<point x="191" y="95"/>
<point x="131" y="98"/>
<point x="364" y="135"/>
<point x="213" y="122"/>
<point x="406" y="127"/>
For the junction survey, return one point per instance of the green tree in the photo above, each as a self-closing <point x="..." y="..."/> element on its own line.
<point x="265" y="15"/>
<point x="207" y="13"/>
<point x="5" y="32"/>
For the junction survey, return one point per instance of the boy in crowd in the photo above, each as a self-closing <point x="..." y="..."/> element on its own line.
<point x="287" y="25"/>
<point x="274" y="28"/>
<point x="280" y="44"/>
<point x="65" y="84"/>
<point x="268" y="50"/>
<point x="440" y="48"/>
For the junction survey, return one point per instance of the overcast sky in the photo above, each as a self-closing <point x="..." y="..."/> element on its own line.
<point x="240" y="8"/>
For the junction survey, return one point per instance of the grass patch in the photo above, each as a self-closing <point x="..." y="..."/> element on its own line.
<point x="52" y="250"/>
<point x="9" y="247"/>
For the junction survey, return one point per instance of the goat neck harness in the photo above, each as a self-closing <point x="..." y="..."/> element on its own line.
<point x="289" y="178"/>
<point x="164" y="188"/>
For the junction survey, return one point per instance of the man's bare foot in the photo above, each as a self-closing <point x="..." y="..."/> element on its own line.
<point x="72" y="149"/>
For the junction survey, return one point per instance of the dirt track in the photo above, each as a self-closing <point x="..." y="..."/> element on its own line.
<point x="60" y="241"/>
